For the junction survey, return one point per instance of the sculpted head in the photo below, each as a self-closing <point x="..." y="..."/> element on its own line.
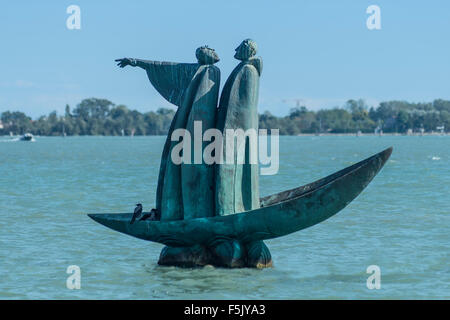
<point x="246" y="50"/>
<point x="206" y="55"/>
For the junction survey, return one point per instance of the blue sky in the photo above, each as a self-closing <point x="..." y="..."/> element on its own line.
<point x="317" y="51"/>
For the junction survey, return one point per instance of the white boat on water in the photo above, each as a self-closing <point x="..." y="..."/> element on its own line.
<point x="27" y="137"/>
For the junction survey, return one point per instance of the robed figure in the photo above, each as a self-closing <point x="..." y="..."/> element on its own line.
<point x="237" y="187"/>
<point x="237" y="181"/>
<point x="185" y="190"/>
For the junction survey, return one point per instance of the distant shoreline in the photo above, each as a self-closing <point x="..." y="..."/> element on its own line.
<point x="95" y="116"/>
<point x="375" y="134"/>
<point x="297" y="135"/>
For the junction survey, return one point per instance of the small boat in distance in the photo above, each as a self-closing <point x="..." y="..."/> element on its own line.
<point x="27" y="137"/>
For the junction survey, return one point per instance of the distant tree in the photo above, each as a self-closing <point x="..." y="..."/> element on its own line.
<point x="297" y="112"/>
<point x="67" y="113"/>
<point x="94" y="108"/>
<point x="16" y="122"/>
<point x="102" y="117"/>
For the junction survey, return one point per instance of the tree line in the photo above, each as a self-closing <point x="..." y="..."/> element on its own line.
<point x="102" y="117"/>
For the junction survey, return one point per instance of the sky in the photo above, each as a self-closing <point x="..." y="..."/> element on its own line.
<point x="320" y="52"/>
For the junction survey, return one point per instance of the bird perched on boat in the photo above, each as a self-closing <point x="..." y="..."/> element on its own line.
<point x="152" y="215"/>
<point x="137" y="213"/>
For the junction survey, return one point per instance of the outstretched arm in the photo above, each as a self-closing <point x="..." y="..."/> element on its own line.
<point x="170" y="79"/>
<point x="122" y="63"/>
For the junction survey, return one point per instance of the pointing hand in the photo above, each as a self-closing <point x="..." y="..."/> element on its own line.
<point x="123" y="62"/>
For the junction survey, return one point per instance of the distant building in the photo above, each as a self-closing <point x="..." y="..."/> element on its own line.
<point x="1" y="124"/>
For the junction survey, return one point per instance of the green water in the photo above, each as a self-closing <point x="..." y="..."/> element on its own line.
<point x="400" y="223"/>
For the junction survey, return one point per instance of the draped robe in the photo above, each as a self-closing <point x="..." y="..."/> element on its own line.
<point x="237" y="185"/>
<point x="187" y="190"/>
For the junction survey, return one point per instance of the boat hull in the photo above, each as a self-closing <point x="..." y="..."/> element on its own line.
<point x="280" y="214"/>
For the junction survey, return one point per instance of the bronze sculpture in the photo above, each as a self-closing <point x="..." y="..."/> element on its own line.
<point x="194" y="88"/>
<point x="212" y="214"/>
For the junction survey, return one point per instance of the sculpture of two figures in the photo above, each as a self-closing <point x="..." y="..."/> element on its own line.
<point x="197" y="189"/>
<point x="211" y="212"/>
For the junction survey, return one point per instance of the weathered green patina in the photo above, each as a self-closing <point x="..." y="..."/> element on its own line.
<point x="194" y="88"/>
<point x="237" y="183"/>
<point x="213" y="214"/>
<point x="237" y="187"/>
<point x="280" y="214"/>
<point x="197" y="177"/>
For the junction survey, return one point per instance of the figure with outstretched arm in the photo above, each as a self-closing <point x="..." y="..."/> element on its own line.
<point x="186" y="190"/>
<point x="194" y="89"/>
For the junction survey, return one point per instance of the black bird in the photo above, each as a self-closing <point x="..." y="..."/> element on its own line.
<point x="137" y="213"/>
<point x="152" y="215"/>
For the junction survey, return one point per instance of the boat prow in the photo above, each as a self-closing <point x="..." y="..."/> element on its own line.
<point x="280" y="214"/>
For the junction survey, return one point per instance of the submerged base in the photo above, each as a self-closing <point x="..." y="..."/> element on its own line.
<point x="222" y="253"/>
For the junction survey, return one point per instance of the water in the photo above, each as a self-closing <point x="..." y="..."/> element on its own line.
<point x="400" y="223"/>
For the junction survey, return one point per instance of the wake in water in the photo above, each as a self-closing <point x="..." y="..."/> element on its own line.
<point x="16" y="140"/>
<point x="10" y="140"/>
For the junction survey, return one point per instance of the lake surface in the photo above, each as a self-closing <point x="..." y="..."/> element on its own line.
<point x="400" y="223"/>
